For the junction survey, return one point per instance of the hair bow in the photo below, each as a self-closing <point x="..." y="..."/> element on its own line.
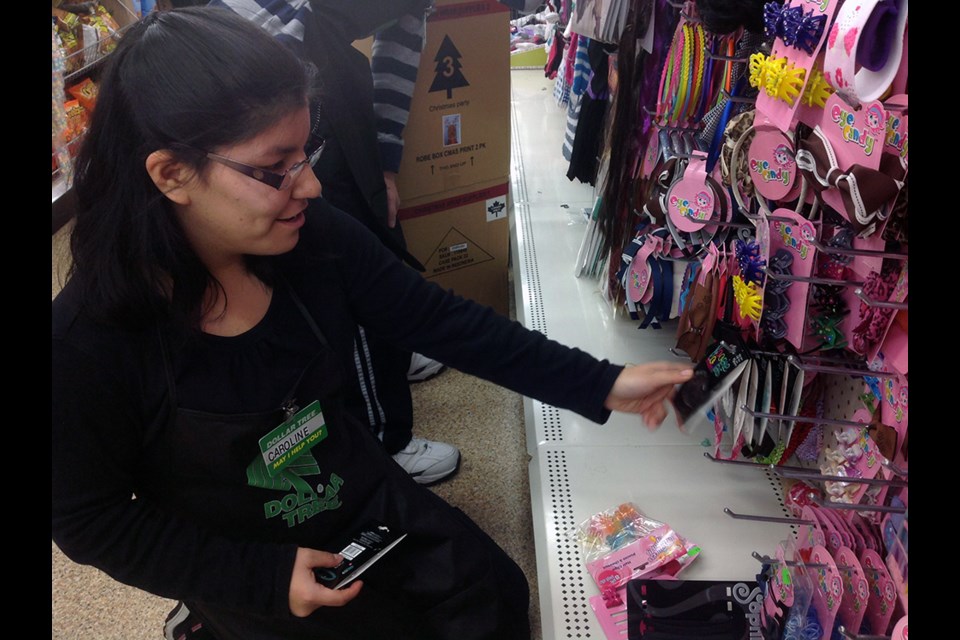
<point x="793" y="26"/>
<point x="864" y="191"/>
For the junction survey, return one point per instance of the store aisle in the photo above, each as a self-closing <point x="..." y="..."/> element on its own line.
<point x="485" y="421"/>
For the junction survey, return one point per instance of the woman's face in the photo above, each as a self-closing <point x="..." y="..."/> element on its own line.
<point x="230" y="214"/>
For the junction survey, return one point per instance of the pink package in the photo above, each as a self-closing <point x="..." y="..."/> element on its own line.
<point x="853" y="604"/>
<point x="883" y="592"/>
<point x="642" y="558"/>
<point x="796" y="237"/>
<point x="829" y="592"/>
<point x="779" y="112"/>
<point x="611" y="613"/>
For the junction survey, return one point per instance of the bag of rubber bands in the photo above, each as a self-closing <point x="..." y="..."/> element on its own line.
<point x="622" y="543"/>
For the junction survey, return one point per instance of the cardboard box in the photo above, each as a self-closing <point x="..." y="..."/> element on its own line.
<point x="454" y="177"/>
<point x="463" y="241"/>
<point x="458" y="133"/>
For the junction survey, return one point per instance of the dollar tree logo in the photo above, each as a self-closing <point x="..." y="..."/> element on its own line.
<point x="448" y="75"/>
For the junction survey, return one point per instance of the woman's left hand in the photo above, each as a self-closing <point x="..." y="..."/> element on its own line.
<point x="646" y="389"/>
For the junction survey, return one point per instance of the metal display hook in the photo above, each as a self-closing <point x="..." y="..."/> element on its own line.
<point x="847" y="506"/>
<point x="773" y="519"/>
<point x="870" y="302"/>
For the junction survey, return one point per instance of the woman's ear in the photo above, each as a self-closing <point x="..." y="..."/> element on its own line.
<point x="171" y="176"/>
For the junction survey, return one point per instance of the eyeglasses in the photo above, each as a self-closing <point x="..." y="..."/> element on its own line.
<point x="279" y="181"/>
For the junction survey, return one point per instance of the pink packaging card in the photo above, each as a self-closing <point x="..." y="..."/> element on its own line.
<point x="883" y="593"/>
<point x="796" y="237"/>
<point x="896" y="141"/>
<point x="892" y="355"/>
<point x="856" y="592"/>
<point x="810" y="536"/>
<point x="897" y="296"/>
<point x="612" y="619"/>
<point x="857" y="137"/>
<point x="829" y="593"/>
<point x="857" y="271"/>
<point x="780" y="113"/>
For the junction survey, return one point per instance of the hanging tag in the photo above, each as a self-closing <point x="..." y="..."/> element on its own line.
<point x="638" y="275"/>
<point x="797" y="238"/>
<point x="690" y="200"/>
<point x="770" y="159"/>
<point x="857" y="135"/>
<point x="896" y="141"/>
<point x="780" y="112"/>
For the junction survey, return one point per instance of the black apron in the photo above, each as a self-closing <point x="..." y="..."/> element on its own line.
<point x="447" y="579"/>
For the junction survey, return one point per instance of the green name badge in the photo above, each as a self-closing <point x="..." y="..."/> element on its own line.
<point x="293" y="438"/>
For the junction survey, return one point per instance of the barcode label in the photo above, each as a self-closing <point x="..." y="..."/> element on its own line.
<point x="352" y="550"/>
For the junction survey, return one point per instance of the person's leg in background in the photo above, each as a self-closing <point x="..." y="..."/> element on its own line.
<point x="382" y="370"/>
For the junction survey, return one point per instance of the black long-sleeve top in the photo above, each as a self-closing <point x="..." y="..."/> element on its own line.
<point x="110" y="403"/>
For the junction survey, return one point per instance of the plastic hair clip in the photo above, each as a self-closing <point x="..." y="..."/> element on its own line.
<point x="817" y="90"/>
<point x="785" y="81"/>
<point x="748" y="298"/>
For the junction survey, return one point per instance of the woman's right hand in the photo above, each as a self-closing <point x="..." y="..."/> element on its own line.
<point x="306" y="594"/>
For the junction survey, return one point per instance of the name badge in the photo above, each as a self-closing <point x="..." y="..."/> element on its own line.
<point x="293" y="438"/>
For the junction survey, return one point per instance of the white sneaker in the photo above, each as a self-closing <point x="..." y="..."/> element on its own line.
<point x="427" y="461"/>
<point x="423" y="368"/>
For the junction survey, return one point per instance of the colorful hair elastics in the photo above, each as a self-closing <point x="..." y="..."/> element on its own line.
<point x="796" y="28"/>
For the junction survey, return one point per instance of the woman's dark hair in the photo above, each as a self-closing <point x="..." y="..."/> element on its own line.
<point x="196" y="77"/>
<point x="726" y="16"/>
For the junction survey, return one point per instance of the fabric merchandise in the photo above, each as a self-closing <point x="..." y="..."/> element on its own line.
<point x="584" y="156"/>
<point x="570" y="133"/>
<point x="555" y="57"/>
<point x="184" y="441"/>
<point x="746" y="45"/>
<point x="582" y="66"/>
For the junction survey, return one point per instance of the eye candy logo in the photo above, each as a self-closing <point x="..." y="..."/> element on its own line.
<point x="896" y="138"/>
<point x="865" y="137"/>
<point x="769" y="174"/>
<point x="700" y="212"/>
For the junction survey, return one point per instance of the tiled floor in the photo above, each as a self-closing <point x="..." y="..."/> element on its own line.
<point x="485" y="421"/>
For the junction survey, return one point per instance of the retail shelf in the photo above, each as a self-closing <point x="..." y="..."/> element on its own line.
<point x="579" y="468"/>
<point x="675" y="485"/>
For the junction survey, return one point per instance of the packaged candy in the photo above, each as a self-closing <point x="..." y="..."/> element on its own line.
<point x="85" y="92"/>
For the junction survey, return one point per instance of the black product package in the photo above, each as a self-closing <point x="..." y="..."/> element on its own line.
<point x="693" y="610"/>
<point x="712" y="376"/>
<point x="364" y="548"/>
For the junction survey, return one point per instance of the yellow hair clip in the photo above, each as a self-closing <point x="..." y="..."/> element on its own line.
<point x="817" y="90"/>
<point x="758" y="70"/>
<point x="784" y="80"/>
<point x="748" y="298"/>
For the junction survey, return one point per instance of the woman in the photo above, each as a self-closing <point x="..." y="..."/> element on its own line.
<point x="204" y="328"/>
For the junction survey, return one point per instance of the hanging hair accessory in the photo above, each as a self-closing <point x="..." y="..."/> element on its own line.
<point x="793" y="26"/>
<point x="748" y="298"/>
<point x="784" y="80"/>
<point x="817" y="91"/>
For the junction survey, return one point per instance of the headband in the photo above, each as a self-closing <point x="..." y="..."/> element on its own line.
<point x="868" y="34"/>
